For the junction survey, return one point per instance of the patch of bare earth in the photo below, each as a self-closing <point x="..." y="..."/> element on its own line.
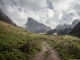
<point x="51" y="55"/>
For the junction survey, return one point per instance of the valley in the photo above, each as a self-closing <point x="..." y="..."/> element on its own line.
<point x="18" y="44"/>
<point x="40" y="30"/>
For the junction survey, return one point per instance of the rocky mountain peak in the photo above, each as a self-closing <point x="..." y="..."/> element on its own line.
<point x="31" y="21"/>
<point x="36" y="27"/>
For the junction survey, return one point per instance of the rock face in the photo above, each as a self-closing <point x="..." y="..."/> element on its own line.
<point x="67" y="25"/>
<point x="76" y="30"/>
<point x="5" y="18"/>
<point x="36" y="27"/>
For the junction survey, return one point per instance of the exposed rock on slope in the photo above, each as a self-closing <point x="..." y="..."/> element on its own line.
<point x="36" y="27"/>
<point x="5" y="18"/>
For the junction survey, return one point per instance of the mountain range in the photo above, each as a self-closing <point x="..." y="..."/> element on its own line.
<point x="64" y="29"/>
<point x="64" y="26"/>
<point x="36" y="27"/>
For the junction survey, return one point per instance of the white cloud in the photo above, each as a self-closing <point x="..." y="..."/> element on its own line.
<point x="49" y="12"/>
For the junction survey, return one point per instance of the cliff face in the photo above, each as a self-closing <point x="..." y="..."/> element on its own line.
<point x="36" y="27"/>
<point x="5" y="18"/>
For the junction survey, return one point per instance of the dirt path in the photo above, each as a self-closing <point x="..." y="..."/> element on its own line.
<point x="47" y="53"/>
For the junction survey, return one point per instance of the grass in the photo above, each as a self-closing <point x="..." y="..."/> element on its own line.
<point x="16" y="43"/>
<point x="76" y="34"/>
<point x="67" y="46"/>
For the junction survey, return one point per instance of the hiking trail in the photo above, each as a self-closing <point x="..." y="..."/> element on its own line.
<point x="47" y="53"/>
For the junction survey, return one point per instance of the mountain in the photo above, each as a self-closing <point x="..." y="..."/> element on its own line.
<point x="63" y="29"/>
<point x="59" y="31"/>
<point x="64" y="26"/>
<point x="76" y="30"/>
<point x="36" y="27"/>
<point x="5" y="18"/>
<point x="75" y="22"/>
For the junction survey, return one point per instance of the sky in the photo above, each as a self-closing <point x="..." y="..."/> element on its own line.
<point x="48" y="12"/>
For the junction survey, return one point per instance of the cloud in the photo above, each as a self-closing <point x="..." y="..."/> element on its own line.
<point x="48" y="12"/>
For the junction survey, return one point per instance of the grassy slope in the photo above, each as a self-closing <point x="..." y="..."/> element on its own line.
<point x="16" y="43"/>
<point x="67" y="46"/>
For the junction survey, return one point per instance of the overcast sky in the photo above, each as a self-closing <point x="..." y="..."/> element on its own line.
<point x="48" y="12"/>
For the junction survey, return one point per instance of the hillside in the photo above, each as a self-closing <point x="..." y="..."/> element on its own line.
<point x="18" y="44"/>
<point x="13" y="40"/>
<point x="36" y="27"/>
<point x="76" y="30"/>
